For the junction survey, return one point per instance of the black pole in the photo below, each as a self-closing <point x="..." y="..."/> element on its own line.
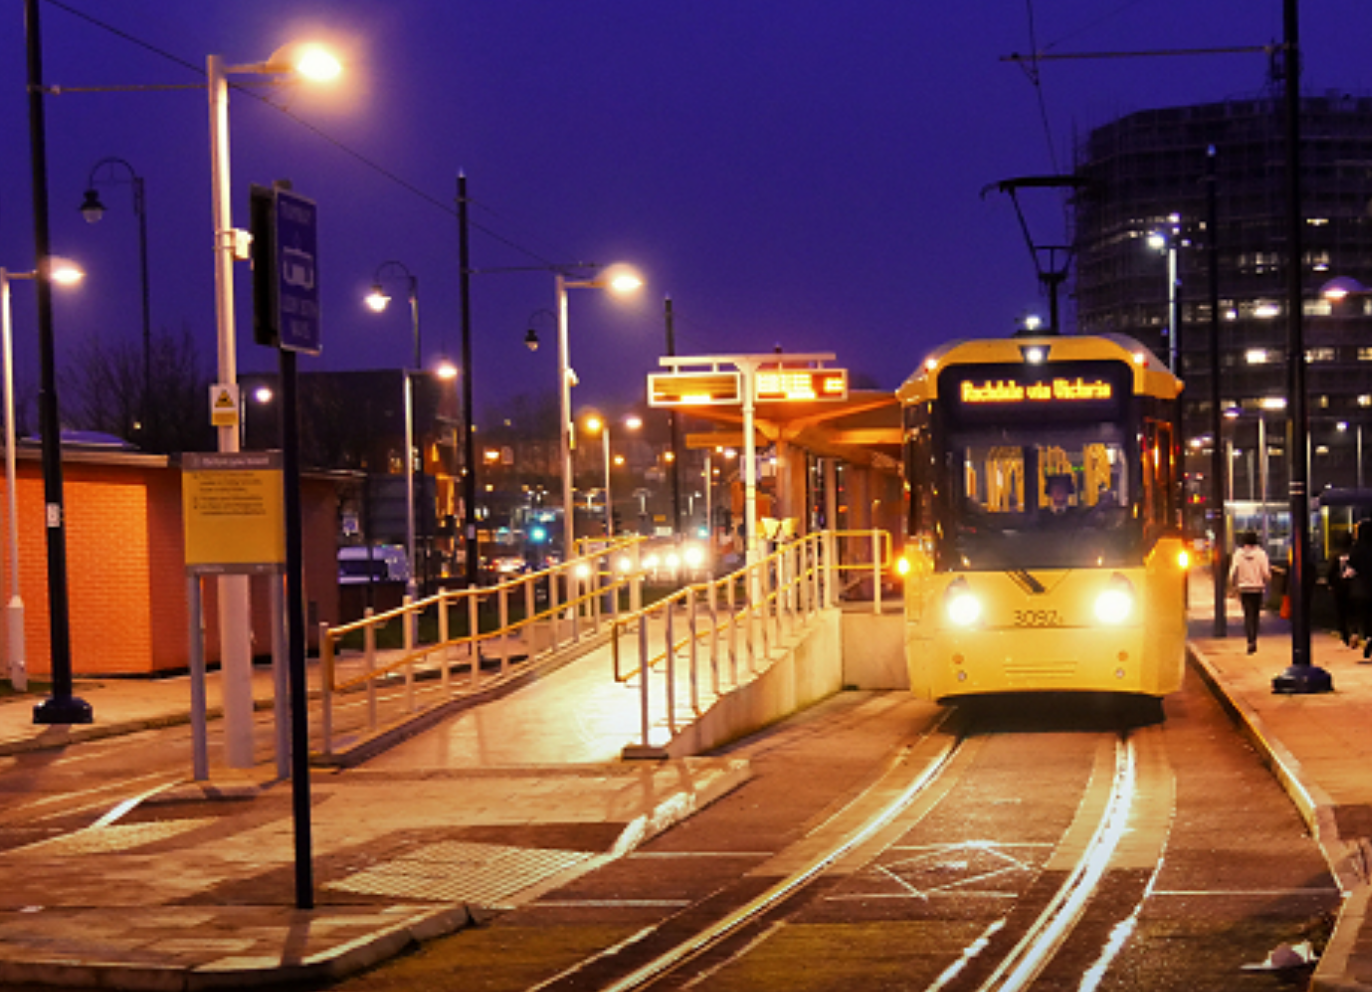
<point x="61" y="707"/>
<point x="673" y="428"/>
<point x="1302" y="676"/>
<point x="468" y="429"/>
<point x="295" y="632"/>
<point x="1219" y="471"/>
<point x="145" y="408"/>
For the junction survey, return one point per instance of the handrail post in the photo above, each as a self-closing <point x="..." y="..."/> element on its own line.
<point x="764" y="599"/>
<point x="503" y="604"/>
<point x="553" y="603"/>
<point x="713" y="605"/>
<point x="574" y="598"/>
<point x="694" y="653"/>
<point x="636" y="582"/>
<point x="369" y="662"/>
<point x="733" y="628"/>
<point x="530" y="611"/>
<point x="831" y="569"/>
<point x="443" y="637"/>
<point x="474" y="635"/>
<point x="876" y="571"/>
<point x="326" y="683"/>
<point x="411" y="625"/>
<point x="645" y="720"/>
<point x="671" y="668"/>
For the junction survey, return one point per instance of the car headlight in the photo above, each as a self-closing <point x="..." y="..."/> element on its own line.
<point x="694" y="556"/>
<point x="962" y="606"/>
<point x="1115" y="602"/>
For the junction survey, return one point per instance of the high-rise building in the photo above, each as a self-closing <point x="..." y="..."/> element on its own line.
<point x="1147" y="173"/>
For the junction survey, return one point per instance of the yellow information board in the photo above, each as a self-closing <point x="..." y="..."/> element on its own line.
<point x="232" y="507"/>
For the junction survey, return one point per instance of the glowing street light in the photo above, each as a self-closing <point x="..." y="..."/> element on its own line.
<point x="618" y="279"/>
<point x="309" y="61"/>
<point x="599" y="425"/>
<point x="63" y="273"/>
<point x="377" y="301"/>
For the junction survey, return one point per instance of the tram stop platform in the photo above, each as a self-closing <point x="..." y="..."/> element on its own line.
<point x="192" y="886"/>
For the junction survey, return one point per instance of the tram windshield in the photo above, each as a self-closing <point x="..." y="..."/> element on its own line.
<point x="1058" y="499"/>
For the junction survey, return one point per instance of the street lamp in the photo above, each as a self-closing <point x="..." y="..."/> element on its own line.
<point x="63" y="273"/>
<point x="1342" y="427"/>
<point x="1167" y="240"/>
<point x="618" y="279"/>
<point x="92" y="209"/>
<point x="377" y="301"/>
<point x="597" y="424"/>
<point x="230" y="244"/>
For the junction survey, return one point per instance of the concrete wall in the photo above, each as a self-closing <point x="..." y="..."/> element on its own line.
<point x="809" y="668"/>
<point x="874" y="648"/>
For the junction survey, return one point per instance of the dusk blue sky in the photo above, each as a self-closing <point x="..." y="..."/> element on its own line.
<point x="805" y="174"/>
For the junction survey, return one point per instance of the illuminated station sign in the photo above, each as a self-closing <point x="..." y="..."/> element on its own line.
<point x="771" y="385"/>
<point x="695" y="389"/>
<point x="725" y="388"/>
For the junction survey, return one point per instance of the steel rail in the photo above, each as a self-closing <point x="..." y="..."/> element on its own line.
<point x="777" y="893"/>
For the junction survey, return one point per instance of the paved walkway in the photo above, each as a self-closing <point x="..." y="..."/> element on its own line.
<point x="188" y="888"/>
<point x="182" y="891"/>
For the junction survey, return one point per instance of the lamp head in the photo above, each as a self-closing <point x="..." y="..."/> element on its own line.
<point x="531" y="339"/>
<point x="304" y="58"/>
<point x="91" y="208"/>
<point x="621" y="279"/>
<point x="377" y="298"/>
<point x="445" y="369"/>
<point x="64" y="271"/>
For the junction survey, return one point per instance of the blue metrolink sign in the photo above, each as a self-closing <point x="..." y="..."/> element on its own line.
<point x="297" y="272"/>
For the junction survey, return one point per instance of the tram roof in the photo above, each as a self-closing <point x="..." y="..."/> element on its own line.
<point x="1151" y="375"/>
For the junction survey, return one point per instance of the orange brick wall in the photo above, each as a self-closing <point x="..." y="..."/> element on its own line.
<point x="126" y="580"/>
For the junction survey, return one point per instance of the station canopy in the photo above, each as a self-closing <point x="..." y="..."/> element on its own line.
<point x="863" y="429"/>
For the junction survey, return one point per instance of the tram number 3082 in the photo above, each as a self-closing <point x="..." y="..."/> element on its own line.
<point x="1037" y="618"/>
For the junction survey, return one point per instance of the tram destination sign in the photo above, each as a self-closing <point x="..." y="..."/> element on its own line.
<point x="978" y="394"/>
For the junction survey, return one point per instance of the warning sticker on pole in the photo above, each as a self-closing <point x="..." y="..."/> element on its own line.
<point x="232" y="508"/>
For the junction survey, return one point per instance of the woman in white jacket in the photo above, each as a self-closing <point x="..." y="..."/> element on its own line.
<point x="1249" y="574"/>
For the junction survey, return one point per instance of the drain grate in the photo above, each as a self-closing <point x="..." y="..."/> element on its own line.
<point x="462" y="871"/>
<point x="115" y="837"/>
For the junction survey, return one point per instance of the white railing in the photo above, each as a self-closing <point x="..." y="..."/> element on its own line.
<point x="578" y="598"/>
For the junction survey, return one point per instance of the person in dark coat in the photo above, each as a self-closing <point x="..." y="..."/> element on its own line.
<point x="1336" y="577"/>
<point x="1359" y="577"/>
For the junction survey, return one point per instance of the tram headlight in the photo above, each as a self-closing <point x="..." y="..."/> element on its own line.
<point x="1116" y="601"/>
<point x="902" y="566"/>
<point x="962" y="606"/>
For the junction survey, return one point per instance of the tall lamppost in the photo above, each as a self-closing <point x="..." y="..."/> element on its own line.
<point x="92" y="209"/>
<point x="1342" y="427"/>
<point x="617" y="279"/>
<point x="597" y="424"/>
<point x="1167" y="240"/>
<point x="63" y="273"/>
<point x="231" y="244"/>
<point x="61" y="707"/>
<point x="377" y="300"/>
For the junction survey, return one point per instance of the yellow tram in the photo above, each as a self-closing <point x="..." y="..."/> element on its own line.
<point x="1043" y="546"/>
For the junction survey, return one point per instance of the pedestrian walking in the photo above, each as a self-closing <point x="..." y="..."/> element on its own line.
<point x="1249" y="574"/>
<point x="1337" y="578"/>
<point x="1359" y="577"/>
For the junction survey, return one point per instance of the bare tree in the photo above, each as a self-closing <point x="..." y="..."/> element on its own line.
<point x="106" y="391"/>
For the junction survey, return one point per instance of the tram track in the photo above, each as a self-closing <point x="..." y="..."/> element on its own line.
<point x="1120" y="823"/>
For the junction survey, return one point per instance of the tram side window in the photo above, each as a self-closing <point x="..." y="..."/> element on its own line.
<point x="919" y="482"/>
<point x="1159" y="487"/>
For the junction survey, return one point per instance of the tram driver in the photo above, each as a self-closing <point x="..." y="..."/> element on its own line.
<point x="1059" y="489"/>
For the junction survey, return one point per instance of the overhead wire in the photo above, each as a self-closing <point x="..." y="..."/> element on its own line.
<point x="318" y="132"/>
